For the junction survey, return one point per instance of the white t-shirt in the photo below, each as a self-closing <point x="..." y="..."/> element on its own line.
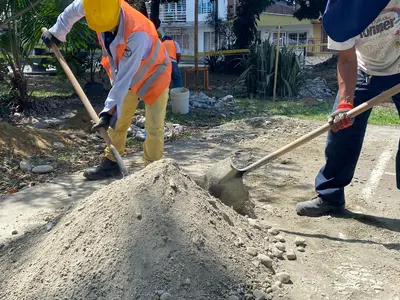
<point x="378" y="47"/>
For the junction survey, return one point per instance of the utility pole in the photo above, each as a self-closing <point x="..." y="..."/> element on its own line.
<point x="216" y="18"/>
<point x="276" y="62"/>
<point x="196" y="43"/>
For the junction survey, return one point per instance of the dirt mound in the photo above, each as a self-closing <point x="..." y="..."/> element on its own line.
<point x="27" y="140"/>
<point x="153" y="232"/>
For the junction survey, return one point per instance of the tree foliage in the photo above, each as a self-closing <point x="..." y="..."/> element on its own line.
<point x="154" y="9"/>
<point x="309" y="9"/>
<point x="22" y="34"/>
<point x="245" y="23"/>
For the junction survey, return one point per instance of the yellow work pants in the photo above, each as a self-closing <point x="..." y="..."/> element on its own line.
<point x="154" y="125"/>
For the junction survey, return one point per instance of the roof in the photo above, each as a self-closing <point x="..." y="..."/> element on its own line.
<point x="280" y="8"/>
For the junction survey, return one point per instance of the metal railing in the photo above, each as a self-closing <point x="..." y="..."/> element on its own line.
<point x="173" y="12"/>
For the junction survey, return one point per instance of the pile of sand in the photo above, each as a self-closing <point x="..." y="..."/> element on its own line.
<point x="154" y="232"/>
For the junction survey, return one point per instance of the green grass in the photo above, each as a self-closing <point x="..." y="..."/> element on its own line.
<point x="384" y="116"/>
<point x="132" y="143"/>
<point x="381" y="115"/>
<point x="45" y="94"/>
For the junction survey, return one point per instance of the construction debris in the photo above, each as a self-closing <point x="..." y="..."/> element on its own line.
<point x="316" y="88"/>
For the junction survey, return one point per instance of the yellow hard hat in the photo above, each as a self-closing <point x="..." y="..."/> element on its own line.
<point x="102" y="15"/>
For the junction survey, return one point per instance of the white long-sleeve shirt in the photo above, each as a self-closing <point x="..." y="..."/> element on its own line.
<point x="139" y="43"/>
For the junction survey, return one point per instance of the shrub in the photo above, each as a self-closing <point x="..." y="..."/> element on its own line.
<point x="259" y="70"/>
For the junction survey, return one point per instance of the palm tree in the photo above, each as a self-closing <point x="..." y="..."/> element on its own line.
<point x="23" y="20"/>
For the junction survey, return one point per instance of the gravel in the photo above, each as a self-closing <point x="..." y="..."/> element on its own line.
<point x="43" y="169"/>
<point x="283" y="277"/>
<point x="280" y="246"/>
<point x="290" y="254"/>
<point x="299" y="241"/>
<point x="252" y="251"/>
<point x="265" y="260"/>
<point x="273" y="231"/>
<point x="166" y="296"/>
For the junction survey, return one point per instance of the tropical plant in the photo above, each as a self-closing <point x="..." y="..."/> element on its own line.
<point x="223" y="31"/>
<point x="23" y="21"/>
<point x="259" y="70"/>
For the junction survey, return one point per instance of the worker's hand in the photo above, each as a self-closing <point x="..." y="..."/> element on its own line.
<point x="339" y="119"/>
<point x="49" y="39"/>
<point x="104" y="122"/>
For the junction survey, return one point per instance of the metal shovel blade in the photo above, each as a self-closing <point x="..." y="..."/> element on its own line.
<point x="225" y="182"/>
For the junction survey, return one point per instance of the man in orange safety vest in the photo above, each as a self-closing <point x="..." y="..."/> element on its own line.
<point x="138" y="66"/>
<point x="174" y="53"/>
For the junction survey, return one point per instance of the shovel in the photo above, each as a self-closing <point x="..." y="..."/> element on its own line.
<point x="225" y="181"/>
<point x="92" y="113"/>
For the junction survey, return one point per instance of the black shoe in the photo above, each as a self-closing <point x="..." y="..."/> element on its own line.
<point x="106" y="169"/>
<point x="317" y="207"/>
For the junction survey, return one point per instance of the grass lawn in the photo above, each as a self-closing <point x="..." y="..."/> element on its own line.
<point x="381" y="115"/>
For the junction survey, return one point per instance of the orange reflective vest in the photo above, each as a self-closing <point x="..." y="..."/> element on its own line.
<point x="154" y="73"/>
<point x="171" y="48"/>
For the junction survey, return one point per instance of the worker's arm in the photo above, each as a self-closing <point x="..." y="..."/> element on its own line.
<point x="140" y="45"/>
<point x="347" y="80"/>
<point x="178" y="52"/>
<point x="72" y="14"/>
<point x="347" y="75"/>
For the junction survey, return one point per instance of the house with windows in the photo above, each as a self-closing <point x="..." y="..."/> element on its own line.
<point x="177" y="20"/>
<point x="292" y="32"/>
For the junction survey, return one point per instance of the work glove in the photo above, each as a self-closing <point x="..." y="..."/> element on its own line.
<point x="339" y="119"/>
<point x="104" y="122"/>
<point x="49" y="39"/>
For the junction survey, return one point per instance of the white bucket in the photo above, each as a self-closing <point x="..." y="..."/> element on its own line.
<point x="180" y="100"/>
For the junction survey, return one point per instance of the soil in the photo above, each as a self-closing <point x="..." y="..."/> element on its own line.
<point x="156" y="232"/>
<point x="128" y="241"/>
<point x="39" y="147"/>
<point x="353" y="256"/>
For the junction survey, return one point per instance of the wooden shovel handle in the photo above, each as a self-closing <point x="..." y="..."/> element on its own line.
<point x="92" y="113"/>
<point x="323" y="129"/>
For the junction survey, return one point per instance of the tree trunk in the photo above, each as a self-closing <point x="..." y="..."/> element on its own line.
<point x="143" y="9"/>
<point x="19" y="85"/>
<point x="216" y="24"/>
<point x="19" y="91"/>
<point x="155" y="13"/>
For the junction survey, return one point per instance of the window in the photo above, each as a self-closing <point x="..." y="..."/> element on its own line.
<point x="303" y="38"/>
<point x="293" y="39"/>
<point x="209" y="41"/>
<point x="205" y="6"/>
<point x="182" y="37"/>
<point x="282" y="39"/>
<point x="296" y="38"/>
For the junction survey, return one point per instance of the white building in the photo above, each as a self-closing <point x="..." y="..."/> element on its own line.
<point x="177" y="20"/>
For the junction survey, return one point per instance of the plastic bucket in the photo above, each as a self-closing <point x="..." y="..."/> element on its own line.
<point x="180" y="100"/>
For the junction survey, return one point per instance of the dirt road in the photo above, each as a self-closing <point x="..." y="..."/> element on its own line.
<point x="352" y="257"/>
